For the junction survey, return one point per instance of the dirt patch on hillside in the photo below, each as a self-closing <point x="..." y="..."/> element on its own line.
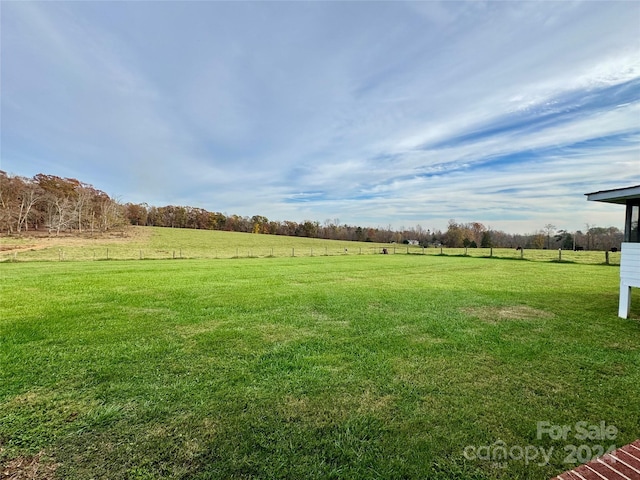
<point x="20" y="248"/>
<point x="11" y="248"/>
<point x="37" y="467"/>
<point x="39" y="240"/>
<point x="506" y="313"/>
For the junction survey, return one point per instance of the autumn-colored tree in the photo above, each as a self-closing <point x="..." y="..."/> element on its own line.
<point x="9" y="194"/>
<point x="478" y="230"/>
<point x="51" y="201"/>
<point x="537" y="241"/>
<point x="259" y="224"/>
<point x="137" y="214"/>
<point x="454" y="237"/>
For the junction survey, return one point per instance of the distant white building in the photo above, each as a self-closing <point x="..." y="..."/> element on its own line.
<point x="630" y="257"/>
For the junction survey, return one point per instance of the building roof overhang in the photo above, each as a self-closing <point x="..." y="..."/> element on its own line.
<point x="617" y="195"/>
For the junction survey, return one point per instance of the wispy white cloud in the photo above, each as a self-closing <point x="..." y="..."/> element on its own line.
<point x="374" y="113"/>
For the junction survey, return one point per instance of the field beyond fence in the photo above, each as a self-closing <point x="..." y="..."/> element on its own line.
<point x="154" y="243"/>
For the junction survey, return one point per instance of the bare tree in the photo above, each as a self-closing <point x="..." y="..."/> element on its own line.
<point x="549" y="230"/>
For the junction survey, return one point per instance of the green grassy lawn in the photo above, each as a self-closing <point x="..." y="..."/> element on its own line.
<point x="345" y="366"/>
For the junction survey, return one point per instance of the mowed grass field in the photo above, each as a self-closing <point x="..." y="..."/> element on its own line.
<point x="345" y="367"/>
<point x="147" y="243"/>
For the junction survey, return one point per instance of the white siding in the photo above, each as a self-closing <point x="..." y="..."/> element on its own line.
<point x="630" y="264"/>
<point x="629" y="275"/>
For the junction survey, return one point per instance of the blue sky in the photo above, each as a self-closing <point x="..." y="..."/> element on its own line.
<point x="373" y="113"/>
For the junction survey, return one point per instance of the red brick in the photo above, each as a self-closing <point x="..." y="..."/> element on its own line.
<point x="621" y="464"/>
<point x="628" y="458"/>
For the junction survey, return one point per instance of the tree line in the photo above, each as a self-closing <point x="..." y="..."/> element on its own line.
<point x="475" y="234"/>
<point x="199" y="218"/>
<point x="55" y="204"/>
<point x="457" y="235"/>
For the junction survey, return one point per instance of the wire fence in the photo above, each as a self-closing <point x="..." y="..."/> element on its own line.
<point x="124" y="252"/>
